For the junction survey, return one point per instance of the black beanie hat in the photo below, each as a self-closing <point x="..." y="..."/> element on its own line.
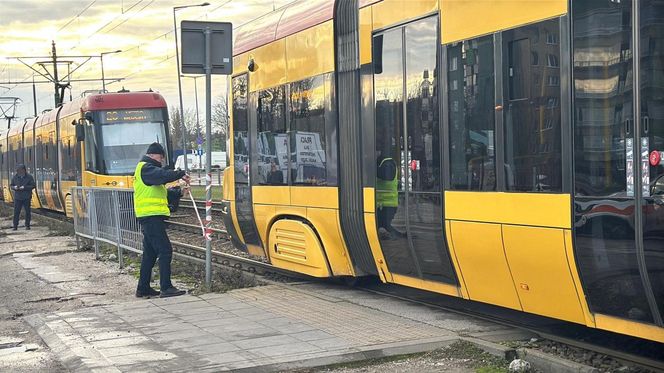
<point x="156" y="148"/>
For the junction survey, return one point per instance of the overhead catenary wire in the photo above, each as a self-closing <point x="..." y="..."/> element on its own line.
<point x="78" y="15"/>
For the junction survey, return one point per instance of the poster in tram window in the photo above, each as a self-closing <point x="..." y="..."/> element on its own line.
<point x="272" y="151"/>
<point x="308" y="157"/>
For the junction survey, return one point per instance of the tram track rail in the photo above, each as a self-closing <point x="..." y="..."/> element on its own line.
<point x="200" y="205"/>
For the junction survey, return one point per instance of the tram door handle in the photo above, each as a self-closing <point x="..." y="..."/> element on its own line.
<point x="646" y="124"/>
<point x="401" y="144"/>
<point x="410" y="143"/>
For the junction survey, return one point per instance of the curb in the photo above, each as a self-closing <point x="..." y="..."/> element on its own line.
<point x="493" y="348"/>
<point x="553" y="364"/>
<point x="539" y="360"/>
<point x="357" y="355"/>
<point x="70" y="356"/>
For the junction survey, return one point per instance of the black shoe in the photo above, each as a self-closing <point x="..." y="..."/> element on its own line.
<point x="14" y="228"/>
<point x="27" y="228"/>
<point x="149" y="293"/>
<point x="172" y="292"/>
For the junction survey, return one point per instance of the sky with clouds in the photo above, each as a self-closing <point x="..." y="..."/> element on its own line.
<point x="142" y="29"/>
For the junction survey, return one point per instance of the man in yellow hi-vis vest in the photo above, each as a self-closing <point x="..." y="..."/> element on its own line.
<point x="151" y="206"/>
<point x="387" y="197"/>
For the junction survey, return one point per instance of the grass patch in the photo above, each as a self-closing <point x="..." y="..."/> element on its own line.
<point x="481" y="361"/>
<point x="199" y="192"/>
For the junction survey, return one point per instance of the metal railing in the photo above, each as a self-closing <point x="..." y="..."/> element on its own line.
<point x="106" y="215"/>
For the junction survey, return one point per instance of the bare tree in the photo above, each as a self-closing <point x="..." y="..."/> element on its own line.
<point x="175" y="127"/>
<point x="219" y="123"/>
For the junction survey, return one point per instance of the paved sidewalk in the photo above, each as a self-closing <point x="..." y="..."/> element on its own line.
<point x="267" y="328"/>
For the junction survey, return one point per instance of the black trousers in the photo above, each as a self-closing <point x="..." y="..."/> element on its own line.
<point x="385" y="215"/>
<point x="155" y="245"/>
<point x="18" y="205"/>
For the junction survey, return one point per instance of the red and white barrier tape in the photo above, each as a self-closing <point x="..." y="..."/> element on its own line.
<point x="207" y="227"/>
<point x="208" y="207"/>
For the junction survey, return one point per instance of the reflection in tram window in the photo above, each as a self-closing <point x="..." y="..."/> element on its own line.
<point x="651" y="28"/>
<point x="422" y="106"/>
<point x="240" y="128"/>
<point x="602" y="96"/>
<point x="307" y="130"/>
<point x="532" y="117"/>
<point x="605" y="236"/>
<point x="272" y="142"/>
<point x="471" y="110"/>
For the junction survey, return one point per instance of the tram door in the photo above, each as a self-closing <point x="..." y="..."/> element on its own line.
<point x="618" y="49"/>
<point x="408" y="157"/>
<point x="241" y="151"/>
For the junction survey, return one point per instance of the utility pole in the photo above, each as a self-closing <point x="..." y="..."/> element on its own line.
<point x="8" y="108"/>
<point x="51" y="63"/>
<point x="54" y="55"/>
<point x="34" y="94"/>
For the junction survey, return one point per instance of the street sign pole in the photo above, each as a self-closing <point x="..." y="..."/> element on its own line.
<point x="208" y="158"/>
<point x="199" y="57"/>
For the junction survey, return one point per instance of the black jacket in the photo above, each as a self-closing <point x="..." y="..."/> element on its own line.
<point x="27" y="182"/>
<point x="153" y="174"/>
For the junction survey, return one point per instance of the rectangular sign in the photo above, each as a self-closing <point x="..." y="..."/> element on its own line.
<point x="131" y="115"/>
<point x="193" y="47"/>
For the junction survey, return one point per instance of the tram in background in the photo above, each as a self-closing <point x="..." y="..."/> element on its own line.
<point x="92" y="141"/>
<point x="519" y="131"/>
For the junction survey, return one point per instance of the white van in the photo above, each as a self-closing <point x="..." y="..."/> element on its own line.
<point x="218" y="161"/>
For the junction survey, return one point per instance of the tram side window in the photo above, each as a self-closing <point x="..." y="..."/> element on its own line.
<point x="308" y="100"/>
<point x="240" y="130"/>
<point x="471" y="113"/>
<point x="69" y="159"/>
<point x="272" y="142"/>
<point x="90" y="149"/>
<point x="532" y="108"/>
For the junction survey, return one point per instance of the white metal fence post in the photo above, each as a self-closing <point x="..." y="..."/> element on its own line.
<point x="93" y="219"/>
<point x="115" y="199"/>
<point x="74" y="210"/>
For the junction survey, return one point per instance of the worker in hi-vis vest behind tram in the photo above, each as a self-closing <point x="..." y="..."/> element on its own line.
<point x="387" y="197"/>
<point x="151" y="204"/>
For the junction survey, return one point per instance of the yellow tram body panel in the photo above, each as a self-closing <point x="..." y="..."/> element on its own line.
<point x="91" y="179"/>
<point x="316" y="205"/>
<point x="511" y="251"/>
<point x="543" y="210"/>
<point x="390" y="12"/>
<point x="459" y="19"/>
<point x="310" y="53"/>
<point x="294" y="245"/>
<point x="634" y="328"/>
<point x="482" y="263"/>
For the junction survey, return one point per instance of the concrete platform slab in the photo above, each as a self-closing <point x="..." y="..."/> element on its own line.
<point x="266" y="328"/>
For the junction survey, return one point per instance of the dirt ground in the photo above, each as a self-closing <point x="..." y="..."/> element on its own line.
<point x="44" y="273"/>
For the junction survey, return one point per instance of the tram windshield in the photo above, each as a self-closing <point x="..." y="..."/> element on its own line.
<point x="122" y="137"/>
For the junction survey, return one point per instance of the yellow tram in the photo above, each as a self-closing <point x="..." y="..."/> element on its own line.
<point x="504" y="151"/>
<point x="83" y="142"/>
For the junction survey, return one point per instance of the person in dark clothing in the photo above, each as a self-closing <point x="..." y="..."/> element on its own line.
<point x="22" y="184"/>
<point x="151" y="204"/>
